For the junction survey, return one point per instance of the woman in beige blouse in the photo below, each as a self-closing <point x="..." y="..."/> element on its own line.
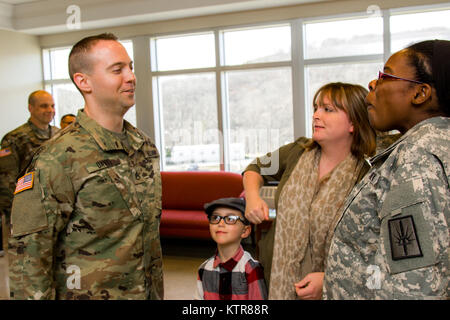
<point x="315" y="176"/>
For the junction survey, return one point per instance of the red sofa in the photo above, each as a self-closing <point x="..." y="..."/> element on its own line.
<point x="183" y="196"/>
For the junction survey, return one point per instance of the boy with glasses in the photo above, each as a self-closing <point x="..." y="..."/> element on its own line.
<point x="232" y="273"/>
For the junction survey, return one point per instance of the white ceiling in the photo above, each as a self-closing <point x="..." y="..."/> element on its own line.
<point x="17" y="1"/>
<point x="41" y="17"/>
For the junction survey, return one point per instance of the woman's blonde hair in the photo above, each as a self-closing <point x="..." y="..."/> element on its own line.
<point x="350" y="99"/>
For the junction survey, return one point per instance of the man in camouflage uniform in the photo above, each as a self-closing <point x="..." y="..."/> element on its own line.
<point x="85" y="219"/>
<point x="19" y="146"/>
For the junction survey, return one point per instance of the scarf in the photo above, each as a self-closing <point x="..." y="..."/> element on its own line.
<point x="308" y="212"/>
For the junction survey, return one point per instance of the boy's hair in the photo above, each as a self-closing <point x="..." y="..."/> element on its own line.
<point x="233" y="203"/>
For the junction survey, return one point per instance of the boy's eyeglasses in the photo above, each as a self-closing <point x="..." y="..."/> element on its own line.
<point x="382" y="76"/>
<point x="215" y="219"/>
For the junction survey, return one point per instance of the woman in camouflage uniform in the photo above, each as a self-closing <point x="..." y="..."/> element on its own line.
<point x="393" y="238"/>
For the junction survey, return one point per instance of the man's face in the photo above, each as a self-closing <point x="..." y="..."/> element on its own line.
<point x="66" y="121"/>
<point x="43" y="109"/>
<point x="111" y="79"/>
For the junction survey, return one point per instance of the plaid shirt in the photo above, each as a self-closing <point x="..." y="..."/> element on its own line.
<point x="239" y="278"/>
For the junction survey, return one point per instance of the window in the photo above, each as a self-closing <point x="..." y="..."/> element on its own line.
<point x="250" y="84"/>
<point x="260" y="111"/>
<point x="189" y="121"/>
<point x="257" y="45"/>
<point x="349" y="50"/>
<point x="350" y="37"/>
<point x="414" y="27"/>
<point x="57" y="81"/>
<point x="186" y="52"/>
<point x="222" y="97"/>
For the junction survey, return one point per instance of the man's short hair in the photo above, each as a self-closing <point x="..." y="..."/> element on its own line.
<point x="68" y="115"/>
<point x="78" y="60"/>
<point x="32" y="97"/>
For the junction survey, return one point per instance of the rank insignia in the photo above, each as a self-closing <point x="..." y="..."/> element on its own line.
<point x="403" y="237"/>
<point x="5" y="152"/>
<point x="25" y="183"/>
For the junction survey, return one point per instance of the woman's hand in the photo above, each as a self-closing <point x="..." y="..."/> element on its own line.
<point x="256" y="209"/>
<point x="310" y="287"/>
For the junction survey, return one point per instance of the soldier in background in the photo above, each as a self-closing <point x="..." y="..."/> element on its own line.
<point x="19" y="146"/>
<point x="67" y="120"/>
<point x="392" y="241"/>
<point x="85" y="217"/>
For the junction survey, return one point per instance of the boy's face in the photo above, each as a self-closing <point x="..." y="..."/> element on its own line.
<point x="223" y="233"/>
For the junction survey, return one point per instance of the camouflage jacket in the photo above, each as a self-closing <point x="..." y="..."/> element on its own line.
<point x="18" y="147"/>
<point x="392" y="241"/>
<point x="88" y="228"/>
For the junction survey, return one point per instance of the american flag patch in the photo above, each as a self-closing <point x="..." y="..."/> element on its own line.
<point x="24" y="183"/>
<point x="5" y="152"/>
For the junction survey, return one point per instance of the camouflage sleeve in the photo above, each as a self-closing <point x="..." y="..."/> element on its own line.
<point x="414" y="229"/>
<point x="38" y="215"/>
<point x="9" y="167"/>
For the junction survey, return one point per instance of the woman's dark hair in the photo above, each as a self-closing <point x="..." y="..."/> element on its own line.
<point x="431" y="60"/>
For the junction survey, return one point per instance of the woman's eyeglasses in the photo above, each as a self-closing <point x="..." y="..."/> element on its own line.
<point x="383" y="76"/>
<point x="215" y="219"/>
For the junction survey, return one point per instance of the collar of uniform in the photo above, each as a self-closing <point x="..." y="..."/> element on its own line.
<point x="104" y="138"/>
<point x="230" y="263"/>
<point x="135" y="138"/>
<point x="38" y="131"/>
<point x="412" y="131"/>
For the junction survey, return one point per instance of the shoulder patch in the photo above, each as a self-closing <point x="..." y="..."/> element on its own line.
<point x="25" y="183"/>
<point x="5" y="152"/>
<point x="403" y="237"/>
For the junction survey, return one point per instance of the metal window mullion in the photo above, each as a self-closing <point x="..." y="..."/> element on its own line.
<point x="344" y="59"/>
<point x="222" y="110"/>
<point x="159" y="119"/>
<point x="219" y="68"/>
<point x="386" y="35"/>
<point x="56" y="82"/>
<point x="298" y="79"/>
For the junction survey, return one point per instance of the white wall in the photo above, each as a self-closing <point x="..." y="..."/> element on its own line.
<point x="20" y="74"/>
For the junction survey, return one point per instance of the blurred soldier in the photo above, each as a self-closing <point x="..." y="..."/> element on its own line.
<point x="66" y="120"/>
<point x="19" y="145"/>
<point x="85" y="217"/>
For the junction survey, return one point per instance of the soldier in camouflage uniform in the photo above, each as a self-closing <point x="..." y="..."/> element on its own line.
<point x="19" y="146"/>
<point x="88" y="227"/>
<point x="392" y="241"/>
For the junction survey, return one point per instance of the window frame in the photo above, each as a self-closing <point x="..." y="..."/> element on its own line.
<point x="148" y="108"/>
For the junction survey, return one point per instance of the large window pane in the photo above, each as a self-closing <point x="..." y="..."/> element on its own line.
<point x="58" y="68"/>
<point x="128" y="44"/>
<point x="344" y="38"/>
<point x="67" y="100"/>
<point x="267" y="44"/>
<point x="410" y="28"/>
<point x="185" y="52"/>
<point x="260" y="107"/>
<point x="189" y="108"/>
<point x="319" y="75"/>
